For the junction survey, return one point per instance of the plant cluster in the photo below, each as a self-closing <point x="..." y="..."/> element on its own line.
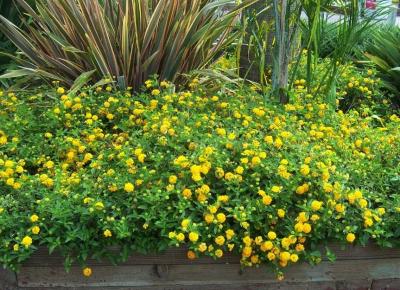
<point x="130" y="40"/>
<point x="383" y="50"/>
<point x="355" y="88"/>
<point x="87" y="173"/>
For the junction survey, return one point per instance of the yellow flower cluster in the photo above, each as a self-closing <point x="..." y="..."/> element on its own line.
<point x="222" y="173"/>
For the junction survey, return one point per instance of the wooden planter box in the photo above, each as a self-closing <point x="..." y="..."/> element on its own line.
<point x="355" y="268"/>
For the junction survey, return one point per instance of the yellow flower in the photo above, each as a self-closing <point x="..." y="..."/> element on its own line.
<point x="314" y="217"/>
<point x="316" y="205"/>
<point x="381" y="211"/>
<point x="129" y="187"/>
<point x="107" y="233"/>
<point x="299" y="227"/>
<point x="247" y="251"/>
<point x="27" y="241"/>
<point x="305" y="169"/>
<point x="185" y="223"/>
<point x="209" y="218"/>
<point x="286" y="242"/>
<point x="191" y="255"/>
<point x="269" y="139"/>
<point x="187" y="193"/>
<point x="363" y="203"/>
<point x="247" y="241"/>
<point x="271" y="235"/>
<point x="294" y="258"/>
<point x="358" y="194"/>
<point x="368" y="222"/>
<point x="34" y="218"/>
<point x="172" y="179"/>
<point x="99" y="205"/>
<point x="281" y="213"/>
<point x="196" y="170"/>
<point x="193" y="237"/>
<point x="284" y="256"/>
<point x="278" y="143"/>
<point x="255" y="160"/>
<point x="351" y="198"/>
<point x="220" y="240"/>
<point x="306" y="228"/>
<point x="239" y="170"/>
<point x="3" y="140"/>
<point x="350" y="237"/>
<point x="271" y="256"/>
<point x="255" y="259"/>
<point x="300" y="190"/>
<point x="213" y="209"/>
<point x="276" y="189"/>
<point x="86" y="200"/>
<point x="266" y="246"/>
<point x="223" y="198"/>
<point x="155" y="92"/>
<point x="267" y="200"/>
<point x="302" y="217"/>
<point x="219" y="253"/>
<point x="340" y="208"/>
<point x="35" y="230"/>
<point x="60" y="90"/>
<point x="229" y="234"/>
<point x="87" y="272"/>
<point x="180" y="237"/>
<point x="221" y="218"/>
<point x="202" y="247"/>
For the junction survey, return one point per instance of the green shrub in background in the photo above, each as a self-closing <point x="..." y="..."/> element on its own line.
<point x="330" y="36"/>
<point x="130" y="40"/>
<point x="384" y="52"/>
<point x="9" y="11"/>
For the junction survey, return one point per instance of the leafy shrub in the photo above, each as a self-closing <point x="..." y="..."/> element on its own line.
<point x="356" y="88"/>
<point x="223" y="173"/>
<point x="330" y="35"/>
<point x="131" y="40"/>
<point x="10" y="11"/>
<point x="384" y="51"/>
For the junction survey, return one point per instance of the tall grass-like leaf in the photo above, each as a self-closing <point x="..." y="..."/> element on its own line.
<point x="384" y="51"/>
<point x="127" y="39"/>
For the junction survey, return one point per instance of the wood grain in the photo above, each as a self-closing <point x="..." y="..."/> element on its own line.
<point x="177" y="256"/>
<point x="215" y="274"/>
<point x="355" y="268"/>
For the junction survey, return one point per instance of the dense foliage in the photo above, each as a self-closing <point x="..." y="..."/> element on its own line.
<point x="9" y="11"/>
<point x="130" y="40"/>
<point x="219" y="173"/>
<point x="384" y="51"/>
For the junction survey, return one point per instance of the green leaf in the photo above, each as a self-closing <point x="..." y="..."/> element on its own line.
<point x="82" y="80"/>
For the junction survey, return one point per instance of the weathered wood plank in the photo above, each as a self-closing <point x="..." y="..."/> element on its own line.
<point x="207" y="274"/>
<point x="386" y="284"/>
<point x="8" y="280"/>
<point x="236" y="286"/>
<point x="354" y="285"/>
<point x="177" y="256"/>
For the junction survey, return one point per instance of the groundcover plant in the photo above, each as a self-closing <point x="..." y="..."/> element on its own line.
<point x="99" y="170"/>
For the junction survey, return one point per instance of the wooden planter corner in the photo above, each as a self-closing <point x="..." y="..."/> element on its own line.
<point x="355" y="268"/>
